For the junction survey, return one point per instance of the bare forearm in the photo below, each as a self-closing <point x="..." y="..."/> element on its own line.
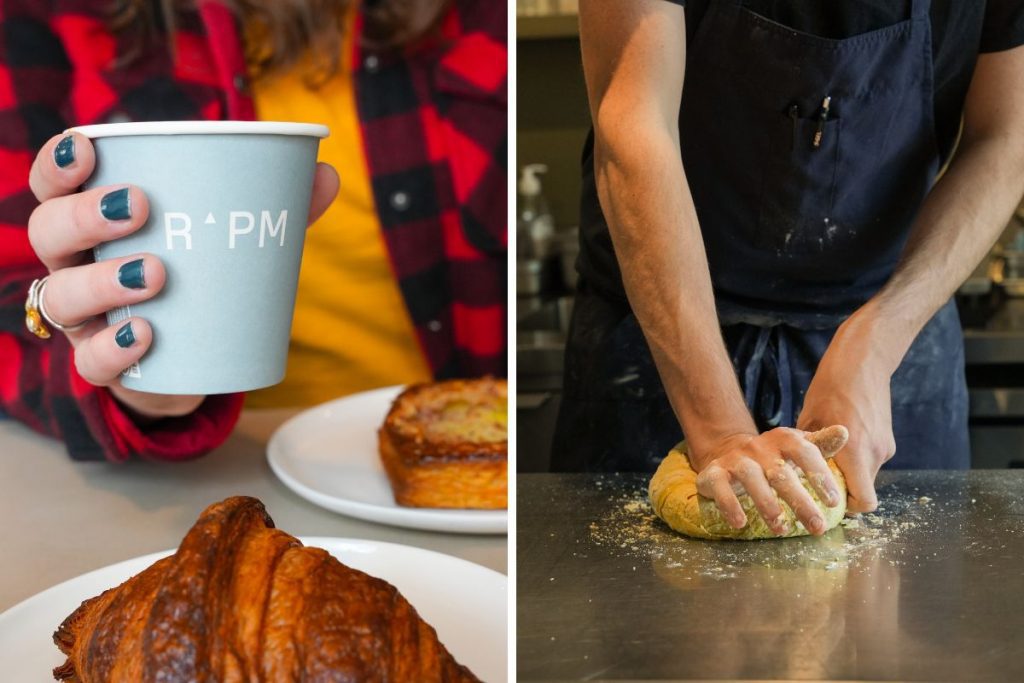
<point x="957" y="225"/>
<point x="657" y="240"/>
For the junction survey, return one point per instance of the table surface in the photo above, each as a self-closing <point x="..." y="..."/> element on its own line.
<point x="62" y="518"/>
<point x="931" y="587"/>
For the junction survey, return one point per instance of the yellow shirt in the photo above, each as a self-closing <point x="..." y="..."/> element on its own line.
<point x="351" y="330"/>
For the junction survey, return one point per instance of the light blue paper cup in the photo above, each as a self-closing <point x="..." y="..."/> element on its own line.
<point x="228" y="204"/>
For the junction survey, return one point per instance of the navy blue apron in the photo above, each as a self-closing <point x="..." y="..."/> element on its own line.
<point x="808" y="159"/>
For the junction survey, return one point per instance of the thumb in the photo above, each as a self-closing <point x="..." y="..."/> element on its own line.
<point x="325" y="188"/>
<point x="860" y="480"/>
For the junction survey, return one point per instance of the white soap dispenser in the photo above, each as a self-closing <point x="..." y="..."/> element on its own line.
<point x="535" y="229"/>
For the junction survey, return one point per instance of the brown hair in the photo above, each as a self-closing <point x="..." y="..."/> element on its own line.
<point x="280" y="32"/>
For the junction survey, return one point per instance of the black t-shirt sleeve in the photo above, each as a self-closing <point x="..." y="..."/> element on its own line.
<point x="1004" y="25"/>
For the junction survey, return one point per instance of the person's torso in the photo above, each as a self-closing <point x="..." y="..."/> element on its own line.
<point x="757" y="76"/>
<point x="351" y="331"/>
<point x="956" y="29"/>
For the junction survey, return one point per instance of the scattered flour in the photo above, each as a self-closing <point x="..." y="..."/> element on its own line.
<point x="629" y="528"/>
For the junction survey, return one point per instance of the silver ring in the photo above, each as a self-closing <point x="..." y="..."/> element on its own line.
<point x="37" y="291"/>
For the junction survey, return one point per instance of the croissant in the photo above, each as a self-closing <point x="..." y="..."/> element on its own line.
<point x="243" y="601"/>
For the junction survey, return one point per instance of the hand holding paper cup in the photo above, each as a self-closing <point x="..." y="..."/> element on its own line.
<point x="228" y="207"/>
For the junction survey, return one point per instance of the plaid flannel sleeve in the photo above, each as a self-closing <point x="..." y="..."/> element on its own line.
<point x="39" y="385"/>
<point x="441" y="193"/>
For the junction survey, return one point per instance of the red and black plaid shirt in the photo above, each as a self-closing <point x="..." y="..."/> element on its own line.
<point x="434" y="128"/>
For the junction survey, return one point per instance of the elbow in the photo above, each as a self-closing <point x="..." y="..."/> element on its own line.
<point x="630" y="142"/>
<point x="608" y="135"/>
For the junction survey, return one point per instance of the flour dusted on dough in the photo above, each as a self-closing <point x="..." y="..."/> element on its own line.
<point x="673" y="494"/>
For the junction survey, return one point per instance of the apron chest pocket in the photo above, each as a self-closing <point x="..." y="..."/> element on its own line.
<point x="799" y="184"/>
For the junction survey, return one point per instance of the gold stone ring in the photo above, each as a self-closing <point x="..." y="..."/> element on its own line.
<point x="33" y="317"/>
<point x="36" y="318"/>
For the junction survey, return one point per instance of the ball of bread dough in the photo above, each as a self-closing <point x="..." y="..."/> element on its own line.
<point x="673" y="493"/>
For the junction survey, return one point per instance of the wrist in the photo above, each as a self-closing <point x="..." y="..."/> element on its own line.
<point x="873" y="339"/>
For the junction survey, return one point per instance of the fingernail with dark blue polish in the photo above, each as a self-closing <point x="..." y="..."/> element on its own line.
<point x="64" y="152"/>
<point x="132" y="275"/>
<point x="116" y="205"/>
<point x="125" y="336"/>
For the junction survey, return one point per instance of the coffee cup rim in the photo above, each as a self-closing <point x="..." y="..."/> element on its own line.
<point x="133" y="128"/>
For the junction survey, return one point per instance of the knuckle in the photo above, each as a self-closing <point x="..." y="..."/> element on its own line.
<point x="747" y="469"/>
<point x="34" y="227"/>
<point x="40" y="234"/>
<point x="820" y="480"/>
<point x="772" y="515"/>
<point x="768" y="503"/>
<point x="84" y="364"/>
<point x="711" y="472"/>
<point x="707" y="476"/>
<point x="707" y="481"/>
<point x="800" y="503"/>
<point x="806" y="511"/>
<point x="790" y="433"/>
<point x="778" y="473"/>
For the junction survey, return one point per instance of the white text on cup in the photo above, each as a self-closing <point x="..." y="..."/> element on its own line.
<point x="178" y="227"/>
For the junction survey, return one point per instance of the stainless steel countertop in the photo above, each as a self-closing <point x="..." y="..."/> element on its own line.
<point x="931" y="587"/>
<point x="62" y="518"/>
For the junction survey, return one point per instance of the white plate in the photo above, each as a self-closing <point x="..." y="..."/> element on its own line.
<point x="465" y="602"/>
<point x="329" y="456"/>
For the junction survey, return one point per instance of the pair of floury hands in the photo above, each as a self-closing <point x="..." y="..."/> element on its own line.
<point x="63" y="230"/>
<point x="851" y="387"/>
<point x="768" y="467"/>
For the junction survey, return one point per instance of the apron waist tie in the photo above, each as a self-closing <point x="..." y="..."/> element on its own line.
<point x="762" y="361"/>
